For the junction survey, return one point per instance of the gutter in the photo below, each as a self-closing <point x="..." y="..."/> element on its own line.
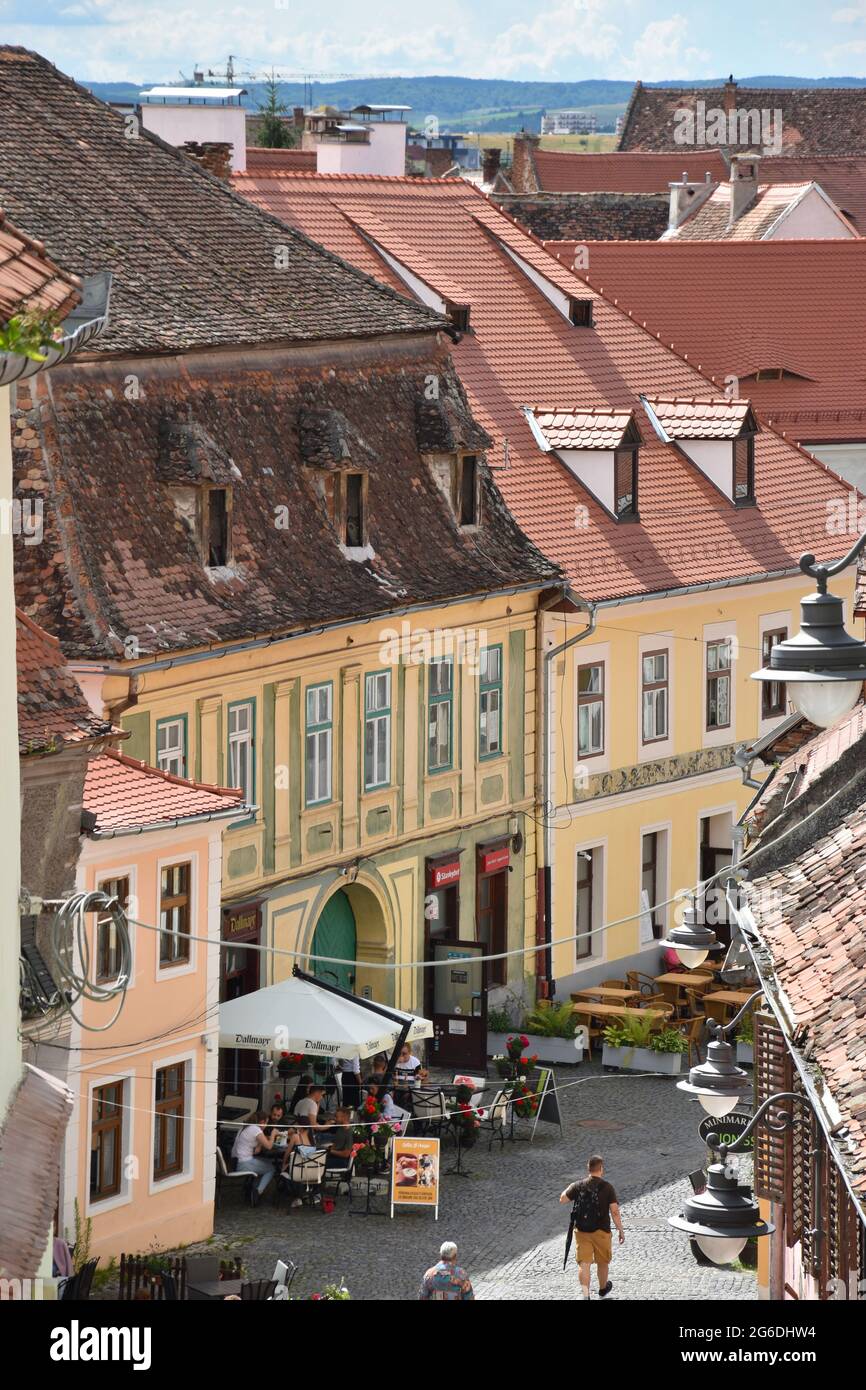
<point x="711" y="584"/>
<point x="547" y="810"/>
<point x="238" y="812"/>
<point x="86" y="322"/>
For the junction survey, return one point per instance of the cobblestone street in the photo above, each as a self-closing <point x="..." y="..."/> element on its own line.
<point x="506" y="1216"/>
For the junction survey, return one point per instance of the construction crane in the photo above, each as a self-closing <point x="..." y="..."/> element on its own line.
<point x="250" y="73"/>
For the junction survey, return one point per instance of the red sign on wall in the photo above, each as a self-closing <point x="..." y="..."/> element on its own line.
<point x="495" y="859"/>
<point x="443" y="874"/>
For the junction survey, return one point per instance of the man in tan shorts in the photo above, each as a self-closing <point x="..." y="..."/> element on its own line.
<point x="595" y="1202"/>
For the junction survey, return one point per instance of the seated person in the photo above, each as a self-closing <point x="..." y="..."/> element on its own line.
<point x="376" y="1089"/>
<point x="408" y="1074"/>
<point x="304" y="1082"/>
<point x="341" y="1133"/>
<point x="250" y="1149"/>
<point x="299" y="1141"/>
<point x="307" y="1109"/>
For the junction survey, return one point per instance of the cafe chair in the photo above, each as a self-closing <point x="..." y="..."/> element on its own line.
<point x="306" y="1173"/>
<point x="645" y="984"/>
<point x="338" y="1176"/>
<point x="225" y="1175"/>
<point x="284" y="1274"/>
<point x="614" y="984"/>
<point x="77" y="1288"/>
<point x="430" y="1111"/>
<point x="202" y="1269"/>
<point x="693" y="1032"/>
<point x="245" y="1105"/>
<point x="496" y="1119"/>
<point x="257" y="1290"/>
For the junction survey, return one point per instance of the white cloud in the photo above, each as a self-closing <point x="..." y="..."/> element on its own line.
<point x="662" y="52"/>
<point x="575" y="29"/>
<point x="852" y="14"/>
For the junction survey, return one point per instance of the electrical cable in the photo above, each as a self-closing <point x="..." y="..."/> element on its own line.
<point x="69" y="939"/>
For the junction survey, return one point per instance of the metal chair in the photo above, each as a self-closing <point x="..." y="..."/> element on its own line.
<point x="306" y="1173"/>
<point x="496" y="1119"/>
<point x="224" y="1174"/>
<point x="284" y="1274"/>
<point x="77" y="1288"/>
<point x="257" y="1290"/>
<point x="338" y="1174"/>
<point x="645" y="984"/>
<point x="430" y="1111"/>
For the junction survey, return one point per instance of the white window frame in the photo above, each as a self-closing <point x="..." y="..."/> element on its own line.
<point x="770" y="622"/>
<point x="654" y="688"/>
<point x="176" y="753"/>
<point x="237" y="739"/>
<point x="378" y="719"/>
<point x="663" y="863"/>
<point x="322" y="732"/>
<point x="191" y="1121"/>
<point x="599" y="654"/>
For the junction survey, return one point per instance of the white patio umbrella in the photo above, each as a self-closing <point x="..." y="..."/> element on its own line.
<point x="302" y="1015"/>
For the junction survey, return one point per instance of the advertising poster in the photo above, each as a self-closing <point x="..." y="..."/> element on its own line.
<point x="415" y="1173"/>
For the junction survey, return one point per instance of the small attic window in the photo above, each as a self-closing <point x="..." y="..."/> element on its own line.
<point x="744" y="470"/>
<point x="580" y="312"/>
<point x="467" y="490"/>
<point x="625" y="484"/>
<point x="459" y="316"/>
<point x="354" y="528"/>
<point x="216" y="526"/>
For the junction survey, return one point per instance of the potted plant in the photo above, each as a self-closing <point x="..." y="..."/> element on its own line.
<point x="630" y="1044"/>
<point x="290" y="1064"/>
<point x="548" y="1030"/>
<point x="746" y="1040"/>
<point x="464" y="1118"/>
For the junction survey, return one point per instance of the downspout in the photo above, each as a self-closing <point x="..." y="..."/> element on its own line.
<point x="546" y="984"/>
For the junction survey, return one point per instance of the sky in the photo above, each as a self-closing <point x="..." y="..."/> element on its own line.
<point x="553" y="40"/>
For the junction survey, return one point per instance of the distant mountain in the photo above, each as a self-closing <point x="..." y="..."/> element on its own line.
<point x="470" y="103"/>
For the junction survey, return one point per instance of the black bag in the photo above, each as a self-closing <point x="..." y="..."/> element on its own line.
<point x="586" y="1208"/>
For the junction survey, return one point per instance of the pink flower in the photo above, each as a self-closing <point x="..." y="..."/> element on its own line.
<point x="374" y="1129"/>
<point x="397" y="1127"/>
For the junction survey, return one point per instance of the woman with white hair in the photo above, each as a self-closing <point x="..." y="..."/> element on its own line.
<point x="446" y="1282"/>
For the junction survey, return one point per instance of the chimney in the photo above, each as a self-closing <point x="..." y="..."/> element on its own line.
<point x="744" y="185"/>
<point x="730" y="94"/>
<point x="524" y="178"/>
<point x="685" y="197"/>
<point x="298" y="117"/>
<point x="490" y="158"/>
<point x="213" y="155"/>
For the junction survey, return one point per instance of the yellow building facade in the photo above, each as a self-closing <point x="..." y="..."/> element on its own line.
<point x="645" y="714"/>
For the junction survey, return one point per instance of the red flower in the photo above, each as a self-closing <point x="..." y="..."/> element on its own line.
<point x="284" y="1054"/>
<point x="524" y="1041"/>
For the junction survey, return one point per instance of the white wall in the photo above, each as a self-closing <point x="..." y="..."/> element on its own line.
<point x="714" y="457"/>
<point x="847" y="459"/>
<point x="385" y="154"/>
<point x="812" y="217"/>
<point x="10" y="815"/>
<point x="594" y="468"/>
<point x="177" y="124"/>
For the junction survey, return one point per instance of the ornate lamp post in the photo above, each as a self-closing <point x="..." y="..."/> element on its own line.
<point x="823" y="666"/>
<point x="719" y="1083"/>
<point x="725" y="1215"/>
<point x="692" y="939"/>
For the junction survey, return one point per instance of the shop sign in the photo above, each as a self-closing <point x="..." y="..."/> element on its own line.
<point x="495" y="859"/>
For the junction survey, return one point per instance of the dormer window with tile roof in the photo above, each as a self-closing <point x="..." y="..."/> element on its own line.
<point x="716" y="434"/>
<point x="600" y="447"/>
<point x="199" y="474"/>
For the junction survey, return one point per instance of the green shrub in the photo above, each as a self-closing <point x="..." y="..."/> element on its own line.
<point x="550" y="1020"/>
<point x="746" y="1030"/>
<point x="668" y="1040"/>
<point x="499" y="1021"/>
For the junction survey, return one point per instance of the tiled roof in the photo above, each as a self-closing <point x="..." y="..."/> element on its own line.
<point x="738" y="308"/>
<point x="714" y="418"/>
<point x="585" y="429"/>
<point x="567" y="172"/>
<point x="52" y="710"/>
<point x="29" y="280"/>
<point x="815" y="120"/>
<point x="126" y="795"/>
<point x="810" y="908"/>
<point x="589" y="216"/>
<point x="193" y="264"/>
<point x="522" y="352"/>
<point x="262" y="161"/>
<point x="118" y="561"/>
<point x="709" y="221"/>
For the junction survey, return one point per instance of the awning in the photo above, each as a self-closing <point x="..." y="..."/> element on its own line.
<point x="301" y="1014"/>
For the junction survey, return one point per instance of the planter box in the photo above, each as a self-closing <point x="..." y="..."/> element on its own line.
<point x="642" y="1059"/>
<point x="745" y="1054"/>
<point x="556" y="1051"/>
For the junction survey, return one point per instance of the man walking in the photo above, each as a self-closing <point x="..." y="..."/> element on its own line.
<point x="446" y="1281"/>
<point x="595" y="1202"/>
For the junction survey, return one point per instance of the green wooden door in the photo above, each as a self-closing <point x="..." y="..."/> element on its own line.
<point x="335" y="935"/>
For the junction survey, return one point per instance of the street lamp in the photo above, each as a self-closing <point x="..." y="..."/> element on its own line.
<point x="823" y="666"/>
<point x="725" y="1215"/>
<point x="692" y="940"/>
<point x="719" y="1083"/>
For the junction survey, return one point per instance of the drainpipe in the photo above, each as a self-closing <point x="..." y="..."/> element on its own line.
<point x="546" y="743"/>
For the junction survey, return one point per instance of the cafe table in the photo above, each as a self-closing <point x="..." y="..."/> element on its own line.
<point x="615" y="1011"/>
<point x="719" y="1001"/>
<point x="675" y="981"/>
<point x="212" y="1290"/>
<point x="605" y="992"/>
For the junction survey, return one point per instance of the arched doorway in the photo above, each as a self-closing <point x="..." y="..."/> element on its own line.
<point x="336" y="935"/>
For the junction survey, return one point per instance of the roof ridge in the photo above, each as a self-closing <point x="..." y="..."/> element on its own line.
<point x="172" y="777"/>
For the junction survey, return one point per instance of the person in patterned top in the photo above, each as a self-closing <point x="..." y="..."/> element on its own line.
<point x="446" y="1281"/>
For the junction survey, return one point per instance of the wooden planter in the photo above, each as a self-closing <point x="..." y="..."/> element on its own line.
<point x="642" y="1059"/>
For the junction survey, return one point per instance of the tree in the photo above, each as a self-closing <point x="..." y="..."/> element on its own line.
<point x="274" y="132"/>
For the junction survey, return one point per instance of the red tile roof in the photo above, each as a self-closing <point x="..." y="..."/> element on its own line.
<point x="714" y="418"/>
<point x="523" y="352"/>
<point x="709" y="221"/>
<point x="29" y="280"/>
<point x="842" y="177"/>
<point x="52" y="710"/>
<point x="737" y="308"/>
<point x="126" y="795"/>
<point x="261" y="161"/>
<point x="585" y="429"/>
